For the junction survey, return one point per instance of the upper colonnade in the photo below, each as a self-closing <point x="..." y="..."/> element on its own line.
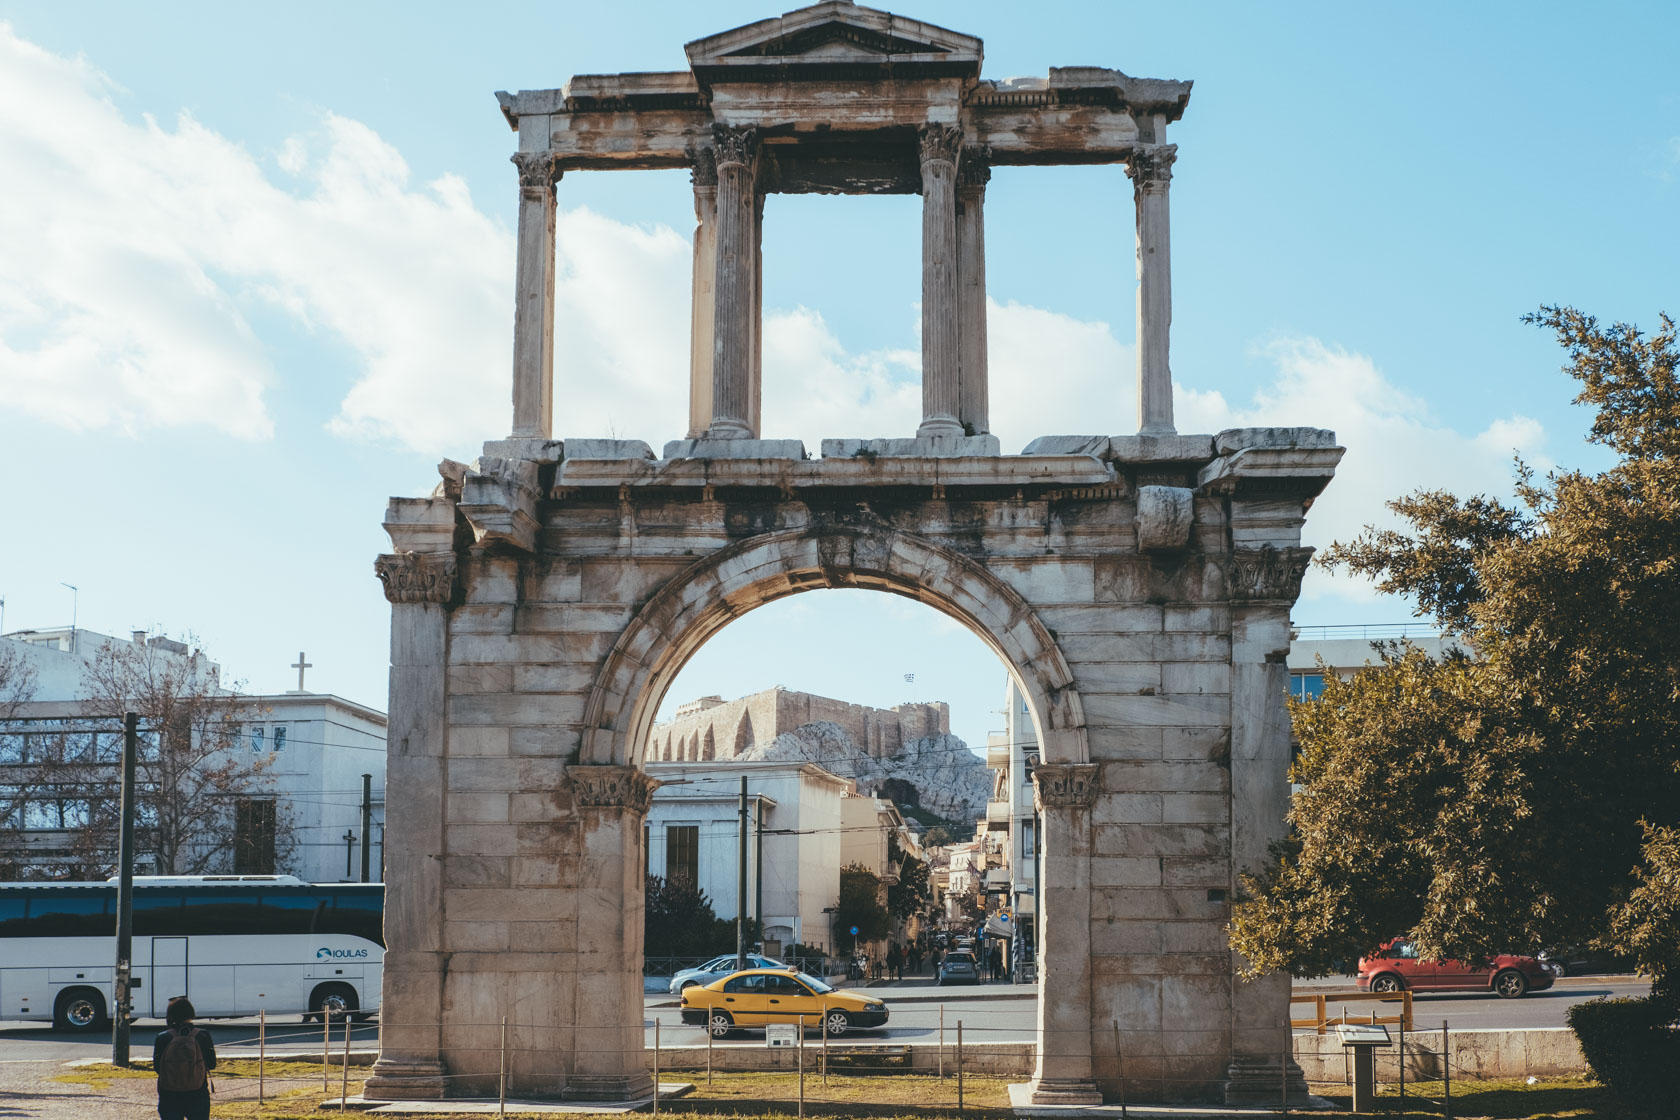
<point x="836" y="99"/>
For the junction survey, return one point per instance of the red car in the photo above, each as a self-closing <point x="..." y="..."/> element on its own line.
<point x="1396" y="967"/>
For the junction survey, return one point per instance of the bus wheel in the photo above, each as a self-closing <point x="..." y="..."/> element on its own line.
<point x="79" y="1009"/>
<point x="332" y="1002"/>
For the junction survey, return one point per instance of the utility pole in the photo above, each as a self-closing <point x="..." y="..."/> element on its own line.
<point x="741" y="887"/>
<point x="367" y="822"/>
<point x="125" y="896"/>
<point x="758" y="891"/>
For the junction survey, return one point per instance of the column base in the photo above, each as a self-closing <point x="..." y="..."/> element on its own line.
<point x="1257" y="1082"/>
<point x="607" y="1087"/>
<point x="958" y="446"/>
<point x="538" y="449"/>
<point x="734" y="448"/>
<point x="406" y="1079"/>
<point x="1062" y="1090"/>
<point x="939" y="427"/>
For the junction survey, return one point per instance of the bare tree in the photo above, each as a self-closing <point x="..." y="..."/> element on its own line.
<point x="18" y="777"/>
<point x="202" y="804"/>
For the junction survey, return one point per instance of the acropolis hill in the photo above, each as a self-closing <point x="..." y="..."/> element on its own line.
<point x="712" y="727"/>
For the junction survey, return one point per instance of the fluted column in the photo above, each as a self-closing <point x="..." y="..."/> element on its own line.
<point x="1151" y="171"/>
<point x="704" y="307"/>
<point x="973" y="173"/>
<point x="735" y="288"/>
<point x="533" y="299"/>
<point x="939" y="145"/>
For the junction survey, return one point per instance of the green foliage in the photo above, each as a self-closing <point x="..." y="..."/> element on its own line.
<point x="1495" y="803"/>
<point x="913" y="892"/>
<point x="938" y="836"/>
<point x="1647" y="925"/>
<point x="678" y="921"/>
<point x="1631" y="1048"/>
<point x="860" y="906"/>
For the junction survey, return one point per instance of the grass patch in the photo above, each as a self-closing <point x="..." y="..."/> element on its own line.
<point x="100" y="1077"/>
<point x="862" y="1096"/>
<point x="1550" y="1098"/>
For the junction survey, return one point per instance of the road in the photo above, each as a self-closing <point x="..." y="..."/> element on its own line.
<point x="989" y="1013"/>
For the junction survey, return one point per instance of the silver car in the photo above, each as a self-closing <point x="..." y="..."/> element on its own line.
<point x="716" y="969"/>
<point x="959" y="968"/>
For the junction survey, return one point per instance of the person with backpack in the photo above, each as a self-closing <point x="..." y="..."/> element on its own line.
<point x="182" y="1058"/>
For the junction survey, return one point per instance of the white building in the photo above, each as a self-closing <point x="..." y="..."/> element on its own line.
<point x="317" y="747"/>
<point x="694" y="829"/>
<point x="1010" y="819"/>
<point x="1344" y="649"/>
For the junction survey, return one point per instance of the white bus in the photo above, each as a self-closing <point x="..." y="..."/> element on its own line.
<point x="234" y="944"/>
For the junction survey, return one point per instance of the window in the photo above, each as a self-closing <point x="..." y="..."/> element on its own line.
<point x="279" y="738"/>
<point x="750" y="984"/>
<point x="1306" y="686"/>
<point x="1026" y="843"/>
<point x="253" y="836"/>
<point x="256" y="740"/>
<point x="11" y="746"/>
<point x="682" y="854"/>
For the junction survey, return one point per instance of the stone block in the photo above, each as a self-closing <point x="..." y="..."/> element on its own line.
<point x="480" y="935"/>
<point x="1232" y="440"/>
<point x="1126" y="871"/>
<point x="1165" y="777"/>
<point x="607" y="449"/>
<point x="1127" y="808"/>
<point x="1068" y="445"/>
<point x="530" y="448"/>
<point x="735" y="449"/>
<point x="1111" y="743"/>
<point x="478" y="742"/>
<point x="1196" y="808"/>
<point x="478" y="808"/>
<point x="1160" y="449"/>
<point x="1214" y="873"/>
<point x="1163" y="517"/>
<point x="914" y="447"/>
<point x="1196" y="744"/>
<point x="1195" y="677"/>
<point x="476" y="871"/>
<point x="1158" y="840"/>
<point x="1182" y="710"/>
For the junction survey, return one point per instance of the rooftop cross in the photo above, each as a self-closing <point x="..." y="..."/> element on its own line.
<point x="300" y="665"/>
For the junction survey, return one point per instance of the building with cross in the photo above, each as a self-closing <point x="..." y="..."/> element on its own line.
<point x="315" y="749"/>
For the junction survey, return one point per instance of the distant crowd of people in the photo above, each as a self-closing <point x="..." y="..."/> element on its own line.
<point x="925" y="953"/>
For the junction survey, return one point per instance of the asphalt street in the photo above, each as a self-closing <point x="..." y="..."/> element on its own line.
<point x="988" y="1012"/>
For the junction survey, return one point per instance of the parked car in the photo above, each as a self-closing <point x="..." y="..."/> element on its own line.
<point x="716" y="969"/>
<point x="1578" y="959"/>
<point x="761" y="996"/>
<point x="1396" y="967"/>
<point x="959" y="968"/>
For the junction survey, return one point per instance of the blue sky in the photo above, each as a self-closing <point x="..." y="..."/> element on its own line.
<point x="256" y="270"/>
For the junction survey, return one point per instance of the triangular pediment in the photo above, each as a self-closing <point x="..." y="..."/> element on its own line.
<point x="834" y="33"/>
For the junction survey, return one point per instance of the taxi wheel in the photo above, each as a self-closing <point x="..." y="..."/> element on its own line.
<point x="1510" y="984"/>
<point x="719" y="1024"/>
<point x="838" y="1023"/>
<point x="1387" y="982"/>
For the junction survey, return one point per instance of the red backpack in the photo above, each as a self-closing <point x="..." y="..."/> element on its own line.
<point x="182" y="1067"/>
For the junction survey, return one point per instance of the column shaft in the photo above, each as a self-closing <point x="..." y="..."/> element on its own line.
<point x="1064" y="795"/>
<point x="1151" y="172"/>
<point x="939" y="144"/>
<point x="973" y="409"/>
<point x="755" y="384"/>
<point x="704" y="307"/>
<point x="734" y="289"/>
<point x="533" y="306"/>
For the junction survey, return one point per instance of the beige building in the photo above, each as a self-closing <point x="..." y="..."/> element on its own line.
<point x="714" y="728"/>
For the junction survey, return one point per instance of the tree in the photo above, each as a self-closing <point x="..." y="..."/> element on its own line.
<point x="19" y="777"/>
<point x="678" y="921"/>
<point x="859" y="906"/>
<point x="1507" y="800"/>
<point x="203" y="803"/>
<point x="913" y="892"/>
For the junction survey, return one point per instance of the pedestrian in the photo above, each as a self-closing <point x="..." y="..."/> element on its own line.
<point x="895" y="961"/>
<point x="994" y="961"/>
<point x="182" y="1058"/>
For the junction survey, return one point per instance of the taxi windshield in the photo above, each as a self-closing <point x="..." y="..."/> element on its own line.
<point x="814" y="984"/>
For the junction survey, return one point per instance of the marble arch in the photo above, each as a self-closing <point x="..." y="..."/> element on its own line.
<point x="542" y="597"/>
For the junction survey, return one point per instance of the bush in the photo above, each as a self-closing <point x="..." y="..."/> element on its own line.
<point x="1632" y="1048"/>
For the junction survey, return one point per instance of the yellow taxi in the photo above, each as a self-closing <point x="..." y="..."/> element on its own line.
<point x="758" y="997"/>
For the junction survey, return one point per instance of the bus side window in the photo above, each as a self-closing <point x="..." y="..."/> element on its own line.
<point x="290" y="910"/>
<point x="360" y="913"/>
<point x="69" y="914"/>
<point x="12" y="921"/>
<point x="157" y="913"/>
<point x="223" y="912"/>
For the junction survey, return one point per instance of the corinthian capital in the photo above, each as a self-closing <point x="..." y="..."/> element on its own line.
<point x="735" y="145"/>
<point x="975" y="170"/>
<point x="417" y="577"/>
<point x="611" y="787"/>
<point x="703" y="172"/>
<point x="1067" y="785"/>
<point x="1151" y="165"/>
<point x="1267" y="574"/>
<point x="538" y="172"/>
<point x="940" y="142"/>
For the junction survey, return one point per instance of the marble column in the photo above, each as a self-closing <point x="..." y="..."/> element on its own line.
<point x="973" y="173"/>
<point x="420" y="587"/>
<point x="939" y="146"/>
<point x="735" y="289"/>
<point x="704" y="305"/>
<point x="533" y="298"/>
<point x="1263" y="583"/>
<point x="1064" y="794"/>
<point x="755" y="384"/>
<point x="1151" y="170"/>
<point x="609" y="1063"/>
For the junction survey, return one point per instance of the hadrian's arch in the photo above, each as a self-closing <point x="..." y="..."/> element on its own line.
<point x="544" y="597"/>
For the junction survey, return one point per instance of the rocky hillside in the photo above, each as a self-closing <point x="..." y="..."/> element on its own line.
<point x="950" y="779"/>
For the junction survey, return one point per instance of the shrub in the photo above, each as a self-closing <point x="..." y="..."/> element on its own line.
<point x="1632" y="1048"/>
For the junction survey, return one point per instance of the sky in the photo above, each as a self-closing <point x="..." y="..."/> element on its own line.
<point x="256" y="270"/>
